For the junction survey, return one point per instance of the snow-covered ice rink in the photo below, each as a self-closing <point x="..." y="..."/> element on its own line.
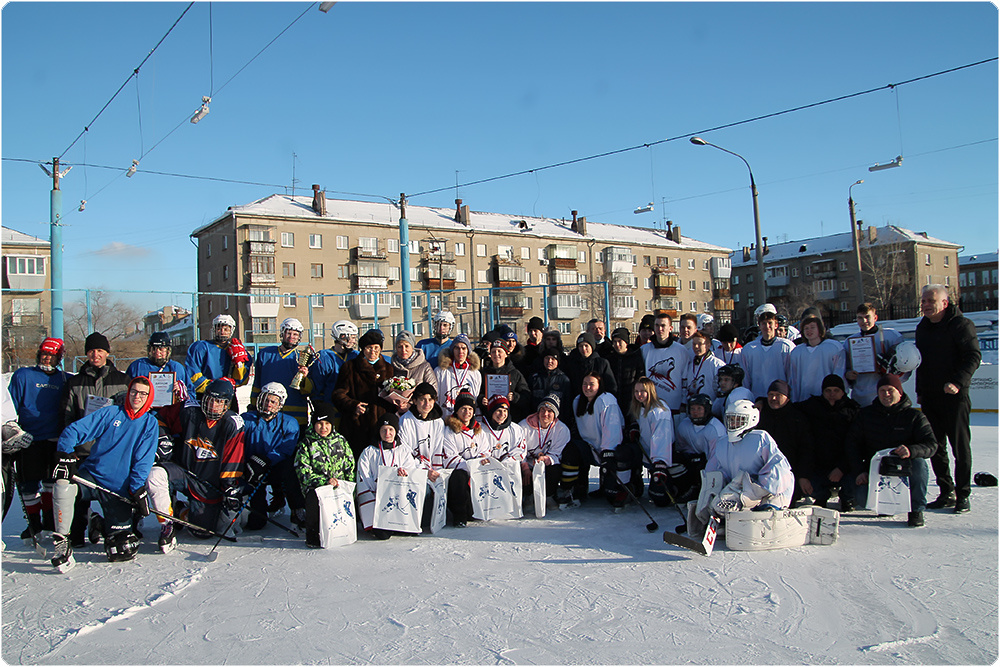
<point x="583" y="586"/>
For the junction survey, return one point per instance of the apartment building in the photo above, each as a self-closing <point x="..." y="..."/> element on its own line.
<point x="822" y="271"/>
<point x="324" y="260"/>
<point x="977" y="281"/>
<point x="27" y="302"/>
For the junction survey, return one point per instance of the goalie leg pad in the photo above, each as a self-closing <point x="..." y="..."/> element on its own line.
<point x="778" y="529"/>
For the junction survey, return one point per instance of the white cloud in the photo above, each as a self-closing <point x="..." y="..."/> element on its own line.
<point x="116" y="249"/>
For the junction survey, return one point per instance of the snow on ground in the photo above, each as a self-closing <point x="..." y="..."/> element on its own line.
<point x="583" y="586"/>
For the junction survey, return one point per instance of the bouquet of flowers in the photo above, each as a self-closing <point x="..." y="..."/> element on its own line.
<point x="398" y="390"/>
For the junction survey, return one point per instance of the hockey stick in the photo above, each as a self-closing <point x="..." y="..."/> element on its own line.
<point x="131" y="502"/>
<point x="252" y="510"/>
<point x="683" y="527"/>
<point x="652" y="525"/>
<point x="39" y="549"/>
<point x="211" y="556"/>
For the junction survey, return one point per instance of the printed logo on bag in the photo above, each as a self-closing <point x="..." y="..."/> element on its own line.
<point x="348" y="506"/>
<point x="393" y="504"/>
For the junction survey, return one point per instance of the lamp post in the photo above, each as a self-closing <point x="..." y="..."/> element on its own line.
<point x="760" y="279"/>
<point x="856" y="242"/>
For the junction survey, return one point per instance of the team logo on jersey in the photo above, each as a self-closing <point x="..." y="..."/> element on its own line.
<point x="116" y="423"/>
<point x="203" y="449"/>
<point x="656" y="373"/>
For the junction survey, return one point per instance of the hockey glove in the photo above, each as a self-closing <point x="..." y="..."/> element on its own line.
<point x="633" y="433"/>
<point x="256" y="469"/>
<point x="164" y="449"/>
<point x="141" y="498"/>
<point x="65" y="467"/>
<point x="15" y="438"/>
<point x="237" y="352"/>
<point x="231" y="499"/>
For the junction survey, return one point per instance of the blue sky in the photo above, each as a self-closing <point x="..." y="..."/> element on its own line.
<point x="383" y="98"/>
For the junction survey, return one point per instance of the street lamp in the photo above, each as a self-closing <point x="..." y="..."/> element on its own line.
<point x="856" y="242"/>
<point x="761" y="280"/>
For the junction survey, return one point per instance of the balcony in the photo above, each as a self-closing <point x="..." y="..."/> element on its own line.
<point x="432" y="257"/>
<point x="260" y="247"/>
<point x="563" y="263"/>
<point x="438" y="283"/>
<point x="723" y="305"/>
<point x="564" y="288"/>
<point x="361" y="283"/>
<point x="377" y="254"/>
<point x="778" y="281"/>
<point x="509" y="272"/>
<point x="262" y="279"/>
<point x="722" y="293"/>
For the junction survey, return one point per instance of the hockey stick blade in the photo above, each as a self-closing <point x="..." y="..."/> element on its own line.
<point x="652" y="526"/>
<point x="703" y="546"/>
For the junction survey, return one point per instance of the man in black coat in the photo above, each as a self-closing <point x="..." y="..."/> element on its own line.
<point x="789" y="428"/>
<point x="626" y="365"/>
<point x="830" y="417"/>
<point x="892" y="422"/>
<point x="949" y="349"/>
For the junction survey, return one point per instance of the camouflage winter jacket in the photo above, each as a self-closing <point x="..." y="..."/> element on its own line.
<point x="318" y="459"/>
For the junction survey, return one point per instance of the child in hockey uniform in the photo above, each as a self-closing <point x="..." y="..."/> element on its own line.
<point x="421" y="429"/>
<point x="323" y="457"/>
<point x="652" y="427"/>
<point x="599" y="424"/>
<point x="545" y="439"/>
<point x="703" y="377"/>
<point x="458" y="369"/>
<point x="498" y="439"/>
<point x="387" y="450"/>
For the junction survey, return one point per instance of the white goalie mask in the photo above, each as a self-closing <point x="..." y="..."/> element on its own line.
<point x="741" y="417"/>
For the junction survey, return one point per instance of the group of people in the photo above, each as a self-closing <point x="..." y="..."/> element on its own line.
<point x="800" y="415"/>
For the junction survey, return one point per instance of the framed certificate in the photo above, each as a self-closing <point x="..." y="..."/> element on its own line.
<point x="497" y="385"/>
<point x="163" y="389"/>
<point x="863" y="354"/>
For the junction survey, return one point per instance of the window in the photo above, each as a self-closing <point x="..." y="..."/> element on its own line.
<point x="226" y="302"/>
<point x="210" y="249"/>
<point x="393" y="273"/>
<point x="843" y="285"/>
<point x="736" y="279"/>
<point x="480" y="250"/>
<point x="809" y="270"/>
<point x="343" y="242"/>
<point x="565" y="327"/>
<point x="646" y="260"/>
<point x="25" y="311"/>
<point x="315" y="240"/>
<point x="843" y="306"/>
<point x="392" y="245"/>
<point x="459" y="250"/>
<point x="254" y="233"/>
<point x="543" y="254"/>
<point x="344" y="300"/>
<point x="692" y="285"/>
<point x="28" y="266"/>
<point x="525" y="253"/>
<point x="416" y="300"/>
<point x="414" y="274"/>
<point x="481" y="277"/>
<point x="527" y="303"/>
<point x="462" y="302"/>
<point x="677" y="262"/>
<point x="289" y="301"/>
<point x="225" y="241"/>
<point x="208" y="278"/>
<point x="505" y="251"/>
<point x="582" y="256"/>
<point x="749" y="278"/>
<point x="343" y="271"/>
<point x="599" y="257"/>
<point x="317" y="300"/>
<point x="288" y="269"/>
<point x="645" y="283"/>
<point x="947" y="260"/>
<point x="527" y="278"/>
<point x="316" y="270"/>
<point x="927" y="259"/>
<point x="795" y="272"/>
<point x="225" y="272"/>
<point x="288" y="240"/>
<point x="460" y="275"/>
<point x="736" y="298"/>
<point x="263" y="325"/>
<point x="947" y="281"/>
<point x="691" y="264"/>
<point x="706" y="286"/>
<point x="414" y="247"/>
<point x="704" y="265"/>
<point x="581" y="278"/>
<point x="543" y="278"/>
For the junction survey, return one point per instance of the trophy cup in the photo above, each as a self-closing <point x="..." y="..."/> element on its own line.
<point x="306" y="357"/>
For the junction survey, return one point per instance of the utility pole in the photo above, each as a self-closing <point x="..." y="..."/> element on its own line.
<point x="856" y="244"/>
<point x="55" y="249"/>
<point x="404" y="263"/>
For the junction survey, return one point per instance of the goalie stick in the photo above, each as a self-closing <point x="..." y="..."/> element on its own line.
<point x="704" y="547"/>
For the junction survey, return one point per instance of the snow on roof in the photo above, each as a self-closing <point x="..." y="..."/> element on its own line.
<point x="978" y="258"/>
<point x="13" y="236"/>
<point x="821" y="245"/>
<point x="339" y="210"/>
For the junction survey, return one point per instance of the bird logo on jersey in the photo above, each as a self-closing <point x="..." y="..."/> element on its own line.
<point x="203" y="449"/>
<point x="657" y="376"/>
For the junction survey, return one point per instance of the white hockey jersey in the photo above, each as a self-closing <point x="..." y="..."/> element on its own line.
<point x="668" y="366"/>
<point x="692" y="439"/>
<point x="452" y="380"/>
<point x="424" y="439"/>
<point x="656" y="434"/>
<point x="807" y="366"/>
<point x="727" y="357"/>
<point x="704" y="376"/>
<point x="500" y="445"/>
<point x="603" y="428"/>
<point x="763" y="364"/>
<point x="371" y="458"/>
<point x="720" y="404"/>
<point x="757" y="454"/>
<point x="545" y="442"/>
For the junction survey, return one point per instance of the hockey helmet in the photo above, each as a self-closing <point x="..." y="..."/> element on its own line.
<point x="218" y="323"/>
<point x="751" y="333"/>
<point x="704" y="319"/>
<point x="159" y="339"/>
<point x="53" y="346"/>
<point x="444" y="316"/>
<point x="291" y="324"/>
<point x="706" y="402"/>
<point x="342" y="329"/>
<point x="271" y="389"/>
<point x="741" y="417"/>
<point x="906" y="358"/>
<point x="221" y="389"/>
<point x="735" y="371"/>
<point x="764" y="308"/>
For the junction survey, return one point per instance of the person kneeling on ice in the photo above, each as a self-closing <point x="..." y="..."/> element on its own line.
<point x="697" y="434"/>
<point x="545" y="439"/>
<point x="498" y="439"/>
<point x="599" y="423"/>
<point x="387" y="450"/>
<point x="206" y="464"/>
<point x="891" y="422"/>
<point x="652" y="426"/>
<point x="124" y="445"/>
<point x="421" y="430"/>
<point x="754" y="472"/>
<point x="323" y="457"/>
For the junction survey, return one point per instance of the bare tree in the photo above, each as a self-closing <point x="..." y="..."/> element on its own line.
<point x="109" y="315"/>
<point x="887" y="273"/>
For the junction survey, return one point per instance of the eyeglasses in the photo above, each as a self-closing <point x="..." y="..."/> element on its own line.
<point x="140" y="394"/>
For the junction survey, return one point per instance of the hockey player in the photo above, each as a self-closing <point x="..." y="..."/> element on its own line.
<point x="387" y="450"/>
<point x="599" y="423"/>
<point x="809" y="363"/>
<point x="421" y="429"/>
<point x="322" y="457"/>
<point x="35" y="392"/>
<point x="158" y="351"/>
<point x="461" y="431"/>
<point x="124" y="444"/>
<point x="667" y="363"/>
<point x="223" y="356"/>
<point x="695" y="440"/>
<point x="893" y="422"/>
<point x="325" y="370"/>
<point x="884" y="341"/>
<point x="731" y="389"/>
<point x="458" y="369"/>
<point x="766" y="359"/>
<point x="545" y="439"/>
<point x="207" y="463"/>
<point x="443" y="323"/>
<point x="686" y="328"/>
<point x="269" y="439"/>
<point x="280" y="363"/>
<point x="655" y="426"/>
<point x="703" y="375"/>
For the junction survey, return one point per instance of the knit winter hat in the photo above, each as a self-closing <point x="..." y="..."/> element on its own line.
<point x="462" y="338"/>
<point x="425" y="388"/>
<point x="322" y="412"/>
<point x="623" y="333"/>
<point x="728" y="333"/>
<point x="371" y="337"/>
<point x="552" y="402"/>
<point x="536" y="324"/>
<point x="506" y="333"/>
<point x="389" y="418"/>
<point x="781" y="387"/>
<point x="96" y="341"/>
<point x="646" y="322"/>
<point x="891" y="379"/>
<point x="495" y="404"/>
<point x="833" y="380"/>
<point x="587" y="338"/>
<point x="465" y="398"/>
<point x="407" y="336"/>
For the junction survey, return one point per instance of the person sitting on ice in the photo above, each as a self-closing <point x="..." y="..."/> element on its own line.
<point x="323" y="457"/>
<point x="892" y="422"/>
<point x="545" y="439"/>
<point x="695" y="439"/>
<point x="387" y="450"/>
<point x="652" y="427"/>
<point x="124" y="441"/>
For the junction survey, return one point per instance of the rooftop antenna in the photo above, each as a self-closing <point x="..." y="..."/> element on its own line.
<point x="294" y="180"/>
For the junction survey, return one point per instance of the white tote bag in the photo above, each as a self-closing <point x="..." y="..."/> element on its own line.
<point x="399" y="501"/>
<point x="496" y="489"/>
<point x="538" y="485"/>
<point x="439" y="503"/>
<point x="887" y="495"/>
<point x="338" y="524"/>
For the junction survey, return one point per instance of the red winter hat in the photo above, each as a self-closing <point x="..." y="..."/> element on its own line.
<point x="891" y="379"/>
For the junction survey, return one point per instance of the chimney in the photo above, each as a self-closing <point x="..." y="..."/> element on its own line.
<point x="458" y="210"/>
<point x="319" y="200"/>
<point x="677" y="234"/>
<point x="872" y="235"/>
<point x="766" y="249"/>
<point x="670" y="232"/>
<point x="581" y="225"/>
<point x="573" y="224"/>
<point x="464" y="217"/>
<point x="746" y="254"/>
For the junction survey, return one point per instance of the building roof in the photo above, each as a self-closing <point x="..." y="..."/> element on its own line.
<point x="833" y="243"/>
<point x="978" y="258"/>
<point x="13" y="236"/>
<point x="424" y="217"/>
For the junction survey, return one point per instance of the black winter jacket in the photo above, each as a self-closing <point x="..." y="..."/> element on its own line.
<point x="789" y="428"/>
<point x="828" y="427"/>
<point x="106" y="382"/>
<point x="949" y="352"/>
<point x="878" y="427"/>
<point x="627" y="368"/>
